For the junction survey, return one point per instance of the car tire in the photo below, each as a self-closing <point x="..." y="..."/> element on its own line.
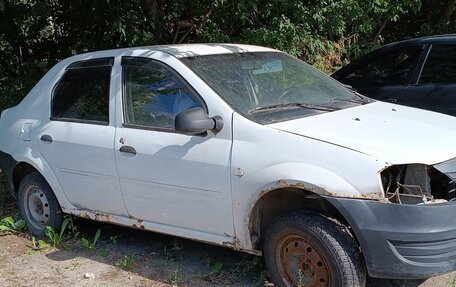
<point x="307" y="249"/>
<point x="38" y="205"/>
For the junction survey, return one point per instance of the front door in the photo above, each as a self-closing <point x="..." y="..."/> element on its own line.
<point x="169" y="178"/>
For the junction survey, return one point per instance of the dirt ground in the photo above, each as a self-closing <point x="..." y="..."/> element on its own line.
<point x="128" y="257"/>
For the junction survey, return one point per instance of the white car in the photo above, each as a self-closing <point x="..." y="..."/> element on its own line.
<point x="240" y="146"/>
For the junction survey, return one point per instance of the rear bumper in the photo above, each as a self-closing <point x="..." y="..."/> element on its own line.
<point x="402" y="241"/>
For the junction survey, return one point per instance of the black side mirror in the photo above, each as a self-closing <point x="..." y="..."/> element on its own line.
<point x="195" y="121"/>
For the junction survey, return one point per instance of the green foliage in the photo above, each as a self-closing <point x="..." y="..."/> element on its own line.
<point x="173" y="252"/>
<point x="174" y="279"/>
<point x="39" y="244"/>
<point x="251" y="265"/>
<point x="34" y="35"/>
<point x="54" y="236"/>
<point x="8" y="224"/>
<point x="103" y="253"/>
<point x="91" y="245"/>
<point x="126" y="262"/>
<point x="300" y="278"/>
<point x="113" y="239"/>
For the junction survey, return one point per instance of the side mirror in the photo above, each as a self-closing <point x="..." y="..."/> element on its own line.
<point x="195" y="121"/>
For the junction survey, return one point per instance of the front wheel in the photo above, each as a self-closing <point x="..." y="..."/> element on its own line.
<point x="38" y="205"/>
<point x="308" y="249"/>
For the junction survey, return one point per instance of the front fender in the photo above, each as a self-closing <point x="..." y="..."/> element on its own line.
<point x="296" y="175"/>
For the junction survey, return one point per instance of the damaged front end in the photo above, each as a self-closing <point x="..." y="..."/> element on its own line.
<point x="414" y="235"/>
<point x="419" y="183"/>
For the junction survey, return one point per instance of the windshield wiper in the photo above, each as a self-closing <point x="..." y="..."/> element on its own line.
<point x="299" y="105"/>
<point x="361" y="101"/>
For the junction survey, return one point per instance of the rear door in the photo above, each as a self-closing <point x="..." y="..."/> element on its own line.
<point x="435" y="88"/>
<point x="384" y="75"/>
<point x="76" y="137"/>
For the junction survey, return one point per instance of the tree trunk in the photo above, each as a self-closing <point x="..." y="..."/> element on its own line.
<point x="14" y="37"/>
<point x="150" y="8"/>
<point x="380" y="30"/>
<point x="430" y="6"/>
<point x="446" y="14"/>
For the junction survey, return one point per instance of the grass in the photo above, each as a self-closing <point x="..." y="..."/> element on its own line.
<point x="126" y="262"/>
<point x="91" y="245"/>
<point x="251" y="265"/>
<point x="56" y="237"/>
<point x="8" y="224"/>
<point x="174" y="279"/>
<point x="453" y="282"/>
<point x="174" y="252"/>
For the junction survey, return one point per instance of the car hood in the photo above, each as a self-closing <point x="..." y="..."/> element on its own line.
<point x="391" y="133"/>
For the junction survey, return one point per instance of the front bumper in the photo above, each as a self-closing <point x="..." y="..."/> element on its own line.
<point x="401" y="241"/>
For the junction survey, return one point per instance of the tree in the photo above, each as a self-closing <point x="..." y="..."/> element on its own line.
<point x="35" y="34"/>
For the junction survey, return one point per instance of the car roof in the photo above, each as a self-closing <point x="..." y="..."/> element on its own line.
<point x="178" y="50"/>
<point x="437" y="39"/>
<point x="445" y="38"/>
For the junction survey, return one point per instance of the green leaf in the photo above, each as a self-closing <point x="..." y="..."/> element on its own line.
<point x="95" y="239"/>
<point x="65" y="223"/>
<point x="217" y="267"/>
<point x="85" y="243"/>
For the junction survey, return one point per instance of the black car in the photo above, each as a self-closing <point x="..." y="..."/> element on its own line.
<point x="418" y="73"/>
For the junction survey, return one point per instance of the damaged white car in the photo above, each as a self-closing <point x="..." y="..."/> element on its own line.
<point x="240" y="146"/>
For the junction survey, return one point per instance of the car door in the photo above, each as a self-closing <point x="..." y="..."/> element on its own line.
<point x="77" y="133"/>
<point x="384" y="75"/>
<point x="169" y="178"/>
<point x="435" y="88"/>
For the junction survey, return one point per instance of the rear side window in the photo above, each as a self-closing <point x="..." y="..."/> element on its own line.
<point x="440" y="66"/>
<point x="393" y="68"/>
<point x="82" y="94"/>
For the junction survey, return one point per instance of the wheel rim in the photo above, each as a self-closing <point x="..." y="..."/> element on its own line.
<point x="300" y="262"/>
<point x="37" y="207"/>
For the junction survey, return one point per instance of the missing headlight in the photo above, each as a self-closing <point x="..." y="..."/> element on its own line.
<point x="417" y="184"/>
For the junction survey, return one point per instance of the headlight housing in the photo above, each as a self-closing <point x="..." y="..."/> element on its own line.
<point x="419" y="183"/>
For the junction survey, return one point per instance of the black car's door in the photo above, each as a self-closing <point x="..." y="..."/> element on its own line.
<point x="383" y="75"/>
<point x="435" y="86"/>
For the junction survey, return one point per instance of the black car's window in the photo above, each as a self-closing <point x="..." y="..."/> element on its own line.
<point x="440" y="67"/>
<point x="153" y="94"/>
<point x="389" y="69"/>
<point x="82" y="94"/>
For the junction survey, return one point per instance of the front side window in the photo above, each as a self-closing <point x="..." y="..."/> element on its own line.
<point x="390" y="69"/>
<point x="82" y="94"/>
<point x="153" y="94"/>
<point x="440" y="66"/>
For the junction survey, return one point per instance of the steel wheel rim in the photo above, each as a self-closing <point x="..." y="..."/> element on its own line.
<point x="299" y="261"/>
<point x="37" y="207"/>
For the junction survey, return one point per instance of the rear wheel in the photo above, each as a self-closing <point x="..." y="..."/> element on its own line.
<point x="38" y="205"/>
<point x="308" y="249"/>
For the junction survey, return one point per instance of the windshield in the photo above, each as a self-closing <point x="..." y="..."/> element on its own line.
<point x="270" y="86"/>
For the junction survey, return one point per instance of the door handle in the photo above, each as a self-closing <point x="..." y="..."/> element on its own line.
<point x="46" y="138"/>
<point x="127" y="149"/>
